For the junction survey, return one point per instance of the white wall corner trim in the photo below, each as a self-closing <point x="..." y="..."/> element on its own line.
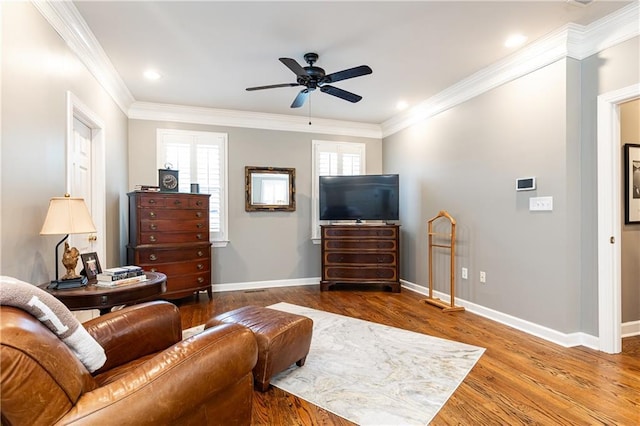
<point x="572" y="40"/>
<point x="64" y="17"/>
<point x="557" y="337"/>
<point x="256" y="120"/>
<point x="261" y="285"/>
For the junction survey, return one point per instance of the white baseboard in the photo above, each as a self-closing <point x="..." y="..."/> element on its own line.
<point x="257" y="285"/>
<point x="563" y="339"/>
<point x="631" y="328"/>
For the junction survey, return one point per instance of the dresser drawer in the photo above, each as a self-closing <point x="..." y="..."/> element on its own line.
<point x="173" y="237"/>
<point x="171" y="201"/>
<point x="332" y="258"/>
<point x="359" y="245"/>
<point x="361" y="232"/>
<point x="172" y="215"/>
<point x="153" y="255"/>
<point x="362" y="274"/>
<point x="165" y="225"/>
<point x="179" y="268"/>
<point x="187" y="283"/>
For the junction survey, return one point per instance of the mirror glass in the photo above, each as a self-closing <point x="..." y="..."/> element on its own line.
<point x="270" y="188"/>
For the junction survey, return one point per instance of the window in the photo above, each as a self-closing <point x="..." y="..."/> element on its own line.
<point x="331" y="159"/>
<point x="199" y="157"/>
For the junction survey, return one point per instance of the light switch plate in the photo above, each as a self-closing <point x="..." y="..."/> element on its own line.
<point x="541" y="204"/>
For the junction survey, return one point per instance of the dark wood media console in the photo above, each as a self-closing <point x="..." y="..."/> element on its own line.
<point x="361" y="254"/>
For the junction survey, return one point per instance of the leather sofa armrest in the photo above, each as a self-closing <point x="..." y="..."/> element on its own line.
<point x="166" y="386"/>
<point x="136" y="331"/>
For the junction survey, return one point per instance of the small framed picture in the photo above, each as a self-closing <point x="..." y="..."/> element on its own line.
<point x="91" y="265"/>
<point x="632" y="183"/>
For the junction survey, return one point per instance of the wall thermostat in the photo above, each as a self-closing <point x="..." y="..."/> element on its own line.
<point x="526" y="184"/>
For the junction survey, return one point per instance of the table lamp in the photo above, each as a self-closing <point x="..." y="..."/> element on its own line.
<point x="67" y="215"/>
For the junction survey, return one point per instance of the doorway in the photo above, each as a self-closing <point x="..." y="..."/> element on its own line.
<point x="609" y="226"/>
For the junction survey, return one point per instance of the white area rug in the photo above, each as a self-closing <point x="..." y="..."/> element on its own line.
<point x="373" y="374"/>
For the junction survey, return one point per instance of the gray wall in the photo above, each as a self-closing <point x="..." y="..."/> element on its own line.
<point x="630" y="133"/>
<point x="609" y="70"/>
<point x="37" y="71"/>
<point x="466" y="161"/>
<point x="264" y="246"/>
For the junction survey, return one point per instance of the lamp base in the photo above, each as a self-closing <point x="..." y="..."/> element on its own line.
<point x="66" y="284"/>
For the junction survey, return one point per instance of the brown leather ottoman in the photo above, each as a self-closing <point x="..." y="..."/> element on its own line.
<point x="283" y="339"/>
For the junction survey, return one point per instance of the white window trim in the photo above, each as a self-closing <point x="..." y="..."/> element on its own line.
<point x="315" y="208"/>
<point x="223" y="239"/>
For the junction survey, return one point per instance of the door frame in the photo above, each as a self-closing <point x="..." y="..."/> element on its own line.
<point x="609" y="223"/>
<point x="76" y="108"/>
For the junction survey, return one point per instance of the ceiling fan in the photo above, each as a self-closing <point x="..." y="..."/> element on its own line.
<point x="312" y="78"/>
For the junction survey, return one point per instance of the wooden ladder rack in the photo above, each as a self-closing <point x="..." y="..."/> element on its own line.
<point x="451" y="307"/>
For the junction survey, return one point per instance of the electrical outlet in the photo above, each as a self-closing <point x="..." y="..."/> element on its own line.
<point x="483" y="277"/>
<point x="465" y="273"/>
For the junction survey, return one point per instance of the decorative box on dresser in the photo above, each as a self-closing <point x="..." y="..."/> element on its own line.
<point x="360" y="254"/>
<point x="169" y="233"/>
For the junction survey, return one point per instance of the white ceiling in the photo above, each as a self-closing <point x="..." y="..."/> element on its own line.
<point x="208" y="52"/>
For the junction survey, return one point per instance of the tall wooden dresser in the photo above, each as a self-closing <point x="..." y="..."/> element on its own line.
<point x="169" y="233"/>
<point x="361" y="254"/>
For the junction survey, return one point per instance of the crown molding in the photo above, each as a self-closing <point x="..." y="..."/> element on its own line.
<point x="253" y="120"/>
<point x="64" y="17"/>
<point x="572" y="40"/>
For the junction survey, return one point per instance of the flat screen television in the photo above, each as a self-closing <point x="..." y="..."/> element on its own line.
<point x="361" y="197"/>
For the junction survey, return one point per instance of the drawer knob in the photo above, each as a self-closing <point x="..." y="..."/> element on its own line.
<point x="198" y="214"/>
<point x="200" y="253"/>
<point x="199" y="203"/>
<point x="176" y="202"/>
<point x="153" y="257"/>
<point x="152" y="238"/>
<point x="153" y="226"/>
<point x="200" y="266"/>
<point x="200" y="280"/>
<point x="199" y="225"/>
<point x="152" y="214"/>
<point x="152" y="201"/>
<point x="199" y="236"/>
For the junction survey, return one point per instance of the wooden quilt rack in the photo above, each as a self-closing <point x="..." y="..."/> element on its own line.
<point x="446" y="307"/>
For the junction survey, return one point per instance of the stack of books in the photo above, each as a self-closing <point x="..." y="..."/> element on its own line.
<point x="115" y="277"/>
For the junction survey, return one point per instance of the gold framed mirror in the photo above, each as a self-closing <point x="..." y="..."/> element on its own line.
<point x="270" y="189"/>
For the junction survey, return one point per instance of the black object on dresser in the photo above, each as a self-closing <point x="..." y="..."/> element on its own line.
<point x="169" y="233"/>
<point x="360" y="254"/>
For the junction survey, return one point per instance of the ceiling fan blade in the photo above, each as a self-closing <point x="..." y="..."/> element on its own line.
<point x="294" y="66"/>
<point x="345" y="74"/>
<point x="343" y="94"/>
<point x="272" y="86"/>
<point x="300" y="99"/>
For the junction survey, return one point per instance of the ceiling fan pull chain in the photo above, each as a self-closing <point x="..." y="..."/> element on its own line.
<point x="309" y="110"/>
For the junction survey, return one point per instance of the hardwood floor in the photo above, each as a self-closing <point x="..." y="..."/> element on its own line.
<point x="520" y="379"/>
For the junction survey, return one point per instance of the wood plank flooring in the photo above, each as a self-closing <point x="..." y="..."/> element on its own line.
<point x="520" y="379"/>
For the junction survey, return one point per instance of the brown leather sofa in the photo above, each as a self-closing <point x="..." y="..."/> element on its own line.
<point x="151" y="377"/>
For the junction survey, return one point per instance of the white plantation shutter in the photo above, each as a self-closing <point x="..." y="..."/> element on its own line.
<point x="199" y="157"/>
<point x="332" y="159"/>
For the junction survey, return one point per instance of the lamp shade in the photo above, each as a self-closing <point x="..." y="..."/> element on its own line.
<point x="67" y="215"/>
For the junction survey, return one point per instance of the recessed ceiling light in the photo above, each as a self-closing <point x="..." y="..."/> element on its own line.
<point x="515" y="40"/>
<point x="151" y="75"/>
<point x="402" y="105"/>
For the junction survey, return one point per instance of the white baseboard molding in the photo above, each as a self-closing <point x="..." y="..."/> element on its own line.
<point x="563" y="339"/>
<point x="630" y="329"/>
<point x="258" y="285"/>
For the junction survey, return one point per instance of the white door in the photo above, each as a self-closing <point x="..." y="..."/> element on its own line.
<point x="81" y="181"/>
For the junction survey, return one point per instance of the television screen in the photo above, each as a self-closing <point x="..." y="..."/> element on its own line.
<point x="361" y="197"/>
